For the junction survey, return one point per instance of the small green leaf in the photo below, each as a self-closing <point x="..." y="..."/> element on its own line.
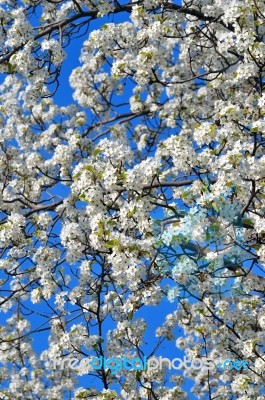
<point x="96" y="152"/>
<point x="247" y="223"/>
<point x="11" y="68"/>
<point x="138" y="375"/>
<point x="131" y="213"/>
<point x="89" y="168"/>
<point x="112" y="243"/>
<point x="130" y="315"/>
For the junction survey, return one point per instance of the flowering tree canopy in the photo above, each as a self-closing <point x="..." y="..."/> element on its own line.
<point x="148" y="184"/>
